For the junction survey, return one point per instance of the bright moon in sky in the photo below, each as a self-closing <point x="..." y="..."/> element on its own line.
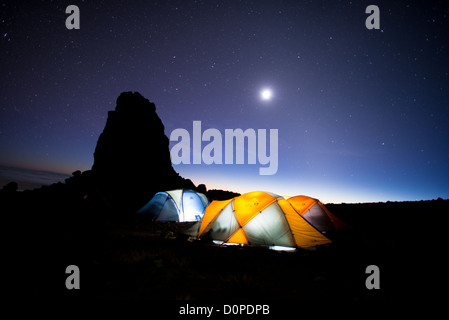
<point x="266" y="94"/>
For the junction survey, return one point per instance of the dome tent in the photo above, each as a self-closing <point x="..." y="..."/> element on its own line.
<point x="266" y="219"/>
<point x="176" y="205"/>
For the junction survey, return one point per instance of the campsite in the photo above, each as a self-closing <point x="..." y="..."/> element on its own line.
<point x="187" y="156"/>
<point x="146" y="260"/>
<point x="167" y="266"/>
<point x="141" y="261"/>
<point x="138" y="231"/>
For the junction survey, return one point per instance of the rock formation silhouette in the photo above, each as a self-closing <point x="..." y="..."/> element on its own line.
<point x="132" y="157"/>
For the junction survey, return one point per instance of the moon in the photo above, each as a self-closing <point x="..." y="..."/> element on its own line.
<point x="266" y="94"/>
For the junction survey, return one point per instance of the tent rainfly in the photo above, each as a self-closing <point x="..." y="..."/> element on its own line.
<point x="176" y="205"/>
<point x="266" y="219"/>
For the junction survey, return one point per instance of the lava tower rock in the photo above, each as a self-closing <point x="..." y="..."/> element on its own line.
<point x="132" y="157"/>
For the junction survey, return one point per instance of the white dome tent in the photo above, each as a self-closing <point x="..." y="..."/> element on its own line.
<point x="181" y="205"/>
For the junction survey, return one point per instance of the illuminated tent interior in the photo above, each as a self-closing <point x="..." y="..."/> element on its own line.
<point x="176" y="205"/>
<point x="265" y="219"/>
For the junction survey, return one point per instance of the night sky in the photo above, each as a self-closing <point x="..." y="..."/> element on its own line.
<point x="363" y="115"/>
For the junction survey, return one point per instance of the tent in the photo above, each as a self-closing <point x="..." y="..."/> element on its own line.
<point x="266" y="219"/>
<point x="176" y="205"/>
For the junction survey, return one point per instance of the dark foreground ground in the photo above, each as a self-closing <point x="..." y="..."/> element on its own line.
<point x="137" y="261"/>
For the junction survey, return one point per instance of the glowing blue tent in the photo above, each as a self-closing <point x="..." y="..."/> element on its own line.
<point x="176" y="205"/>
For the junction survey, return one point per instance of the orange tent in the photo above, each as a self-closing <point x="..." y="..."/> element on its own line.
<point x="266" y="219"/>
